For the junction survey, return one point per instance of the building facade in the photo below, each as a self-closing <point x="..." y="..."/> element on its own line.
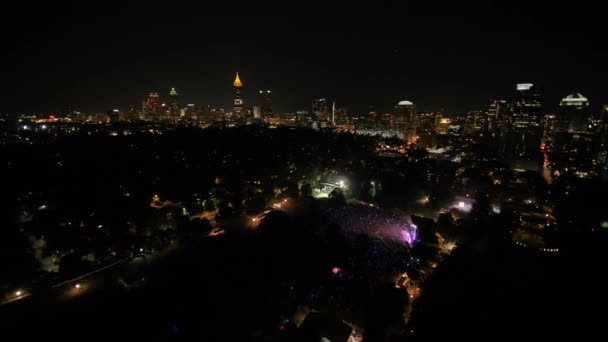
<point x="573" y="115"/>
<point x="524" y="134"/>
<point x="237" y="96"/>
<point x="266" y="103"/>
<point x="404" y="120"/>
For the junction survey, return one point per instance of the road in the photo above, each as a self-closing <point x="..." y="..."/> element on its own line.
<point x="100" y="279"/>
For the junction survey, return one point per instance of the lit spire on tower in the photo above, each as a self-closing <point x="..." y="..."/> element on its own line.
<point x="237" y="81"/>
<point x="237" y="96"/>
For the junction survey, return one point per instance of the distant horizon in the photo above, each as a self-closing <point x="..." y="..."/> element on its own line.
<point x="594" y="107"/>
<point x="450" y="56"/>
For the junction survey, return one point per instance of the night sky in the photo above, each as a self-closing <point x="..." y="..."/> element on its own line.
<point x="452" y="56"/>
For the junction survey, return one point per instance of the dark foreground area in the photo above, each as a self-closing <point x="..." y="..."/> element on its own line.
<point x="211" y="291"/>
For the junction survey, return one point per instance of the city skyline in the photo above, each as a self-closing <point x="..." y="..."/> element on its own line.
<point x="303" y="172"/>
<point x="166" y="98"/>
<point x="455" y="57"/>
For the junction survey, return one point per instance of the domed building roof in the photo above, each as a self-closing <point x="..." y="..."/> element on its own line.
<point x="406" y="103"/>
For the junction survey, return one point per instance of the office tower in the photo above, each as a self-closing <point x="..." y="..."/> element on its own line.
<point x="237" y="96"/>
<point x="339" y="114"/>
<point x="474" y="123"/>
<point x="191" y="112"/>
<point x="426" y="122"/>
<point x="496" y="114"/>
<point x="130" y="115"/>
<point x="442" y="125"/>
<point x="217" y="114"/>
<point x="603" y="123"/>
<point x="321" y="109"/>
<point x="573" y="115"/>
<point x="404" y="120"/>
<point x="524" y="127"/>
<point x="174" y="103"/>
<point x="265" y="103"/>
<point x="257" y="112"/>
<point x="113" y="115"/>
<point x="602" y="140"/>
<point x="151" y="107"/>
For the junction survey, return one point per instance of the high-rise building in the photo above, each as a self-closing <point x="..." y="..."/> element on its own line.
<point x="496" y="114"/>
<point x="114" y="115"/>
<point x="321" y="109"/>
<point x="524" y="126"/>
<point x="237" y="96"/>
<point x="130" y="115"/>
<point x="266" y="103"/>
<point x="339" y="114"/>
<point x="474" y="123"/>
<point x="602" y="140"/>
<point x="217" y="114"/>
<point x="151" y="107"/>
<point x="603" y="121"/>
<point x="257" y="112"/>
<point x="442" y="125"/>
<point x="573" y="115"/>
<point x="404" y="120"/>
<point x="426" y="122"/>
<point x="174" y="103"/>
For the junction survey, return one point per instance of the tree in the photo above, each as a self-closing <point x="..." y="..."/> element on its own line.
<point x="385" y="309"/>
<point x="17" y="264"/>
<point x="306" y="190"/>
<point x="336" y="243"/>
<point x="426" y="230"/>
<point x="225" y="210"/>
<point x="209" y="205"/>
<point x="446" y="227"/>
<point x="72" y="265"/>
<point x="255" y="204"/>
<point x="418" y="155"/>
<point x="336" y="198"/>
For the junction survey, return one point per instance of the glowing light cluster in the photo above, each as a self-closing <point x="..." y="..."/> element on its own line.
<point x="377" y="223"/>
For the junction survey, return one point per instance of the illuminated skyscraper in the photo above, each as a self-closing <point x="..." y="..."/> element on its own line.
<point x="321" y="109"/>
<point x="524" y="127"/>
<point x="602" y="141"/>
<point x="174" y="103"/>
<point x="339" y="114"/>
<point x="114" y="115"/>
<point x="131" y="114"/>
<point x="603" y="123"/>
<point x="266" y="103"/>
<point x="443" y="125"/>
<point x="573" y="115"/>
<point x="257" y="112"/>
<point x="151" y="107"/>
<point x="237" y="96"/>
<point x="426" y="122"/>
<point x="496" y="114"/>
<point x="404" y="120"/>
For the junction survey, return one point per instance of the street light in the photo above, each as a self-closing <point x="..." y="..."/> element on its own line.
<point x="18" y="293"/>
<point x="77" y="286"/>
